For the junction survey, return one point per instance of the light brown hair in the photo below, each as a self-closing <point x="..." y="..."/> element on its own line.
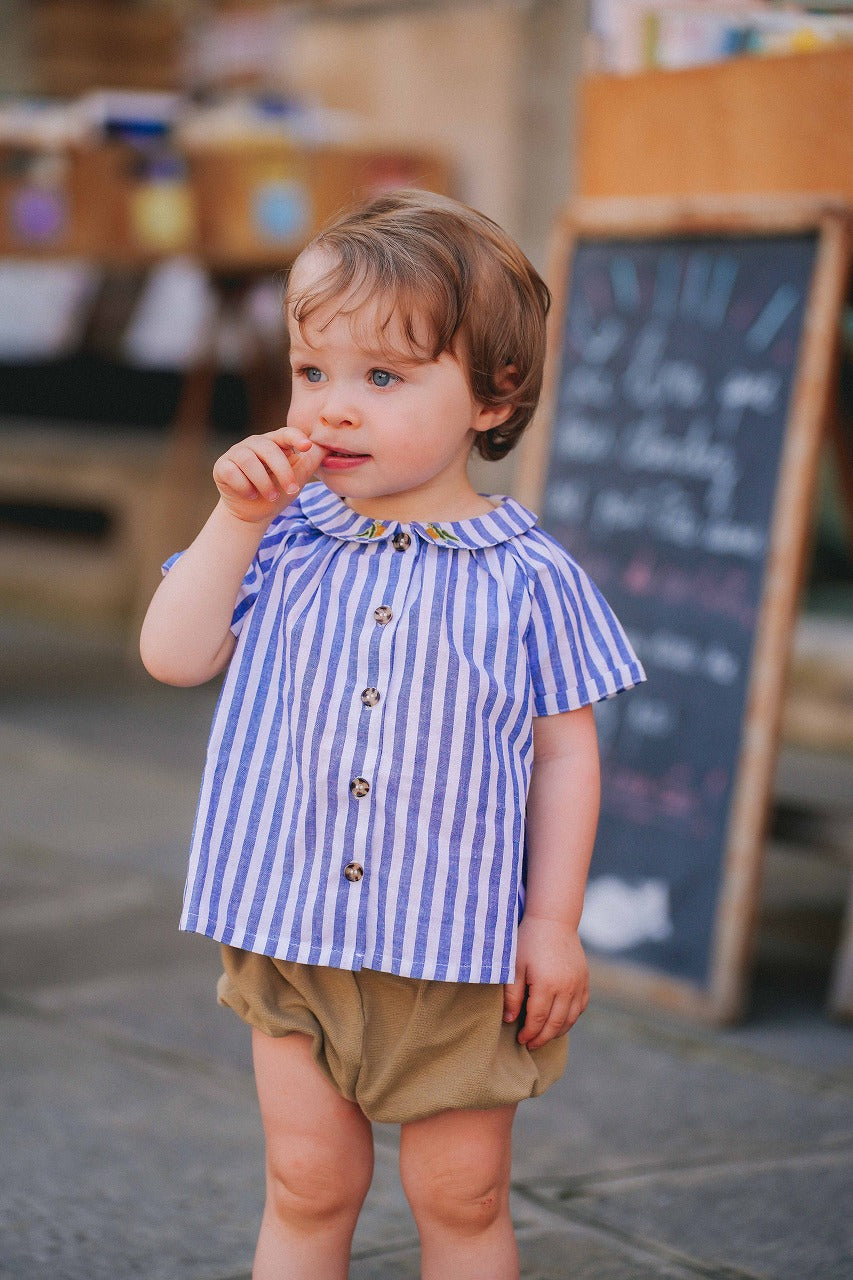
<point x="429" y="260"/>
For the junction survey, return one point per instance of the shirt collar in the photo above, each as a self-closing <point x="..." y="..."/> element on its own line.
<point x="326" y="511"/>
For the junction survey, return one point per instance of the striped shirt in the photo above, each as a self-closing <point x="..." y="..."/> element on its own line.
<point x="363" y="801"/>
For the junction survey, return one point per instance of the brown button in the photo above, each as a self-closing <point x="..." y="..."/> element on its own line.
<point x="370" y="697"/>
<point x="353" y="872"/>
<point x="359" y="787"/>
<point x="383" y="614"/>
<point x="401" y="541"/>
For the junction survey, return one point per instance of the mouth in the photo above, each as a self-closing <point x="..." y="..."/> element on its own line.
<point x="337" y="459"/>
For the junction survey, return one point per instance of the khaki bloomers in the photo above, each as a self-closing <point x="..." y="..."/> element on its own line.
<point x="401" y="1048"/>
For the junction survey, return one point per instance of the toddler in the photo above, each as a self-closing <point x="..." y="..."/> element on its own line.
<point x="401" y="789"/>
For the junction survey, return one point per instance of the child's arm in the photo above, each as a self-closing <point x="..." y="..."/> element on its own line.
<point x="186" y="636"/>
<point x="562" y="814"/>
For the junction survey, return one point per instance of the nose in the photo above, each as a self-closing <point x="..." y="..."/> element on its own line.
<point x="340" y="407"/>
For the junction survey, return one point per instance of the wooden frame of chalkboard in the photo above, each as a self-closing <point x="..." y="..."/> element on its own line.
<point x="690" y="368"/>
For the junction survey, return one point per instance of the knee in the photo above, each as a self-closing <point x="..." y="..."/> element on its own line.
<point x="310" y="1191"/>
<point x="461" y="1198"/>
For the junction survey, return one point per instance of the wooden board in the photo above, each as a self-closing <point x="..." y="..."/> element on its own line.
<point x="775" y="124"/>
<point x="691" y="362"/>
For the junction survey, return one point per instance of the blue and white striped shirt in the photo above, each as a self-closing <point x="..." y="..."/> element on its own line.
<point x="363" y="801"/>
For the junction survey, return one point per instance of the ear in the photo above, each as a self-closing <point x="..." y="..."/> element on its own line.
<point x="494" y="415"/>
<point x="490" y="416"/>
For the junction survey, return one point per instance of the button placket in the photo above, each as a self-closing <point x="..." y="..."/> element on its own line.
<point x="367" y="755"/>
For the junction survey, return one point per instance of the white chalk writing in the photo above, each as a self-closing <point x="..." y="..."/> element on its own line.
<point x="617" y="512"/>
<point x="726" y="538"/>
<point x="686" y="655"/>
<point x="598" y="345"/>
<point x="652" y="717"/>
<point x="651" y="381"/>
<point x="567" y="501"/>
<point x="743" y="390"/>
<point x="694" y="455"/>
<point x="583" y="439"/>
<point x="750" y="389"/>
<point x="670" y="512"/>
<point x="586" y="385"/>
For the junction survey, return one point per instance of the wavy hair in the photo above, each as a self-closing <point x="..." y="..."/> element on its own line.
<point x="454" y="281"/>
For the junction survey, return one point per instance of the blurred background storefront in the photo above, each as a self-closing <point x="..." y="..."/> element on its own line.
<point x="161" y="161"/>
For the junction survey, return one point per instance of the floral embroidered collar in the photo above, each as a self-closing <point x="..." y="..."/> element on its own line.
<point x="326" y="511"/>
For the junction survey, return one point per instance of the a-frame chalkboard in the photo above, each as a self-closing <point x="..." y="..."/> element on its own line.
<point x="690" y="371"/>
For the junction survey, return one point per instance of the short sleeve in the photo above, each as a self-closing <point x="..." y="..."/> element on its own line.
<point x="267" y="553"/>
<point x="578" y="652"/>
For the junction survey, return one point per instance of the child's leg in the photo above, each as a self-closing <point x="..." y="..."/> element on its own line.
<point x="455" y="1168"/>
<point x="319" y="1150"/>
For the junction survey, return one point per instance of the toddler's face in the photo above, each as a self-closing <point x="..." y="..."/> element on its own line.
<point x="398" y="426"/>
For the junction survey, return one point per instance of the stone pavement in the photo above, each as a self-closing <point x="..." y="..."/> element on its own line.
<point x="129" y="1137"/>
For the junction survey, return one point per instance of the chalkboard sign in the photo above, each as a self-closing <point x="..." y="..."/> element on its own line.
<point x="690" y="362"/>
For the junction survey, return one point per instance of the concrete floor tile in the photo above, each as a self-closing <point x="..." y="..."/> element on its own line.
<point x="634" y="1094"/>
<point x="573" y="1253"/>
<point x="98" y="920"/>
<point x="548" y="1250"/>
<point x="59" y="798"/>
<point x="782" y="1219"/>
<point x="149" y="1010"/>
<point x="120" y="1166"/>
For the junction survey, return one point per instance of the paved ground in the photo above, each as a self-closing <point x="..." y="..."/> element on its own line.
<point x="129" y="1138"/>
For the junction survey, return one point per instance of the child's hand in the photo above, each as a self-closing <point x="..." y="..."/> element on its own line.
<point x="552" y="972"/>
<point x="261" y="475"/>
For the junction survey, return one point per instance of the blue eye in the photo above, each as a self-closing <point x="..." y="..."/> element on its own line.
<point x="382" y="378"/>
<point x="313" y="374"/>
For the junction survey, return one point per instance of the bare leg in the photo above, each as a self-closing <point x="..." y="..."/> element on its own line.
<point x="319" y="1150"/>
<point x="455" y="1169"/>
